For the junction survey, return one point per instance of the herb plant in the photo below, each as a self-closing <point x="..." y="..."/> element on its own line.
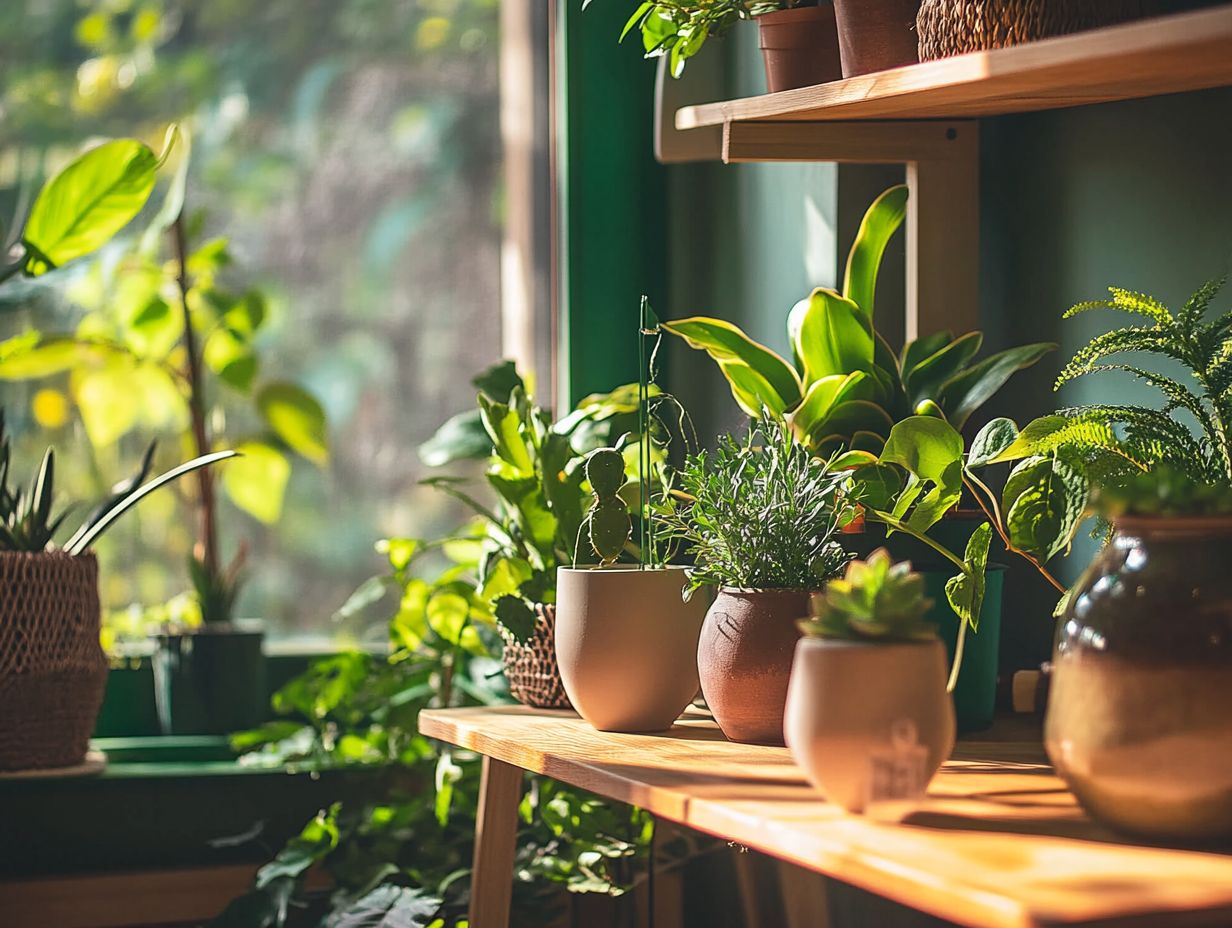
<point x="845" y="388"/>
<point x="762" y="512"/>
<point x="875" y="600"/>
<point x="29" y="521"/>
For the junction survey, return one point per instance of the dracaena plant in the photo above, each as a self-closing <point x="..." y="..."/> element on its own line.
<point x="164" y="344"/>
<point x="677" y="29"/>
<point x="845" y="388"/>
<point x="876" y="600"/>
<point x="29" y="519"/>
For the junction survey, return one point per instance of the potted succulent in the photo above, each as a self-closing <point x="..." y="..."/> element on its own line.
<point x="626" y="635"/>
<point x="52" y="667"/>
<point x="761" y="517"/>
<point x="877" y="751"/>
<point x="798" y="38"/>
<point x="170" y="329"/>
<point x="535" y="468"/>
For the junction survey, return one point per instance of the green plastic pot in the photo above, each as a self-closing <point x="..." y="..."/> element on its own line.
<point x="211" y="680"/>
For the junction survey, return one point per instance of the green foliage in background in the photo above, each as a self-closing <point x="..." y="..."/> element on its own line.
<point x="410" y="850"/>
<point x="845" y="388"/>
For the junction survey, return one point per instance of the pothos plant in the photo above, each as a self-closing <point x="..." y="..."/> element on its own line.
<point x="678" y="29"/>
<point x="845" y="388"/>
<point x="164" y="345"/>
<point x="405" y="856"/>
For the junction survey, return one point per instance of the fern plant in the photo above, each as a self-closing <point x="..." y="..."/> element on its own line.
<point x="1112" y="442"/>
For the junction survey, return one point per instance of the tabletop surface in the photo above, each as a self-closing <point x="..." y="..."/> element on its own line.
<point x="999" y="841"/>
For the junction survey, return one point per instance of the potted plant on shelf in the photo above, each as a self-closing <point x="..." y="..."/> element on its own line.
<point x="52" y="667"/>
<point x="877" y="751"/>
<point x="798" y="38"/>
<point x="875" y="35"/>
<point x="168" y="335"/>
<point x="761" y="518"/>
<point x="535" y="468"/>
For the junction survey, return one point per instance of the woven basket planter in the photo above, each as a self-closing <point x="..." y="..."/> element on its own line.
<point x="953" y="27"/>
<point x="52" y="667"/>
<point x="532" y="671"/>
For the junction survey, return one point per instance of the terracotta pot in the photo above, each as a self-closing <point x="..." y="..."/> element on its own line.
<point x="800" y="47"/>
<point x="626" y="645"/>
<point x="744" y="660"/>
<point x="1137" y="720"/>
<point x="875" y="35"/>
<point x="869" y="723"/>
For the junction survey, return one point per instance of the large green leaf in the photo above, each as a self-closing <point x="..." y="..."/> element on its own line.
<point x="880" y="223"/>
<point x="30" y="356"/>
<point x="388" y="906"/>
<point x="297" y="418"/>
<point x="926" y="378"/>
<point x="844" y="420"/>
<point x="257" y="482"/>
<point x="824" y="394"/>
<point x="965" y="592"/>
<point x="931" y="452"/>
<point x="773" y="382"/>
<point x="504" y="427"/>
<point x="87" y="203"/>
<point x="991" y="441"/>
<point x="834" y="338"/>
<point x="460" y="437"/>
<point x="923" y="347"/>
<point x="499" y="381"/>
<point x="967" y="391"/>
<point x="1032" y="440"/>
<point x="1043" y="501"/>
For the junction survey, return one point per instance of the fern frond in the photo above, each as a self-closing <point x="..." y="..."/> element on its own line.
<point x="1087" y="306"/>
<point x="1195" y="307"/>
<point x="1087" y="434"/>
<point x="1131" y="301"/>
<point x="1151" y="436"/>
<point x="1176" y="393"/>
<point x="1134" y="338"/>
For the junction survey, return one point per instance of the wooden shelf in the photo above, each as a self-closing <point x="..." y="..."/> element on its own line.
<point x="1171" y="54"/>
<point x="998" y="843"/>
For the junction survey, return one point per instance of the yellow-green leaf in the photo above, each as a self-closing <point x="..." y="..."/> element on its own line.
<point x="880" y="223"/>
<point x="82" y="207"/>
<point x="297" y="418"/>
<point x="834" y="338"/>
<point x="777" y="382"/>
<point x="257" y="482"/>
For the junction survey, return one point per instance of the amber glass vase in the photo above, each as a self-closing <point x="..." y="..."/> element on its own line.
<point x="1140" y="714"/>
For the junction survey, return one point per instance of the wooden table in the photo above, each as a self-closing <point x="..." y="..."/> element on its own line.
<point x="999" y="841"/>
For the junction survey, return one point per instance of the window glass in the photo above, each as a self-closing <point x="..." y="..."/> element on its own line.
<point x="349" y="151"/>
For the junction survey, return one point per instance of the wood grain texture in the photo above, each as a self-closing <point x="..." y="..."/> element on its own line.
<point x="1172" y="54"/>
<point x="998" y="842"/>
<point x="496" y="831"/>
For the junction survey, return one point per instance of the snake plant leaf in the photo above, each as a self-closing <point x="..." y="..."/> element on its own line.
<point x="992" y="440"/>
<point x="968" y="390"/>
<point x="85" y="541"/>
<point x="965" y="592"/>
<point x="880" y="222"/>
<point x="926" y="377"/>
<point x="757" y="375"/>
<point x="297" y="418"/>
<point x="118" y="494"/>
<point x="824" y="395"/>
<point x="87" y="203"/>
<point x="834" y="337"/>
<point x="923" y="347"/>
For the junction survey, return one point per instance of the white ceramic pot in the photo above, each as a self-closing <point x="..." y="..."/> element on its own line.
<point x="869" y="723"/>
<point x="626" y="643"/>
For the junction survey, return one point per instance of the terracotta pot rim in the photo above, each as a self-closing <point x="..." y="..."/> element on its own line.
<point x="792" y="14"/>
<point x="1174" y="525"/>
<point x="624" y="569"/>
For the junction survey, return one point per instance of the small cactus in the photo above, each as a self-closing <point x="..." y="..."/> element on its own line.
<point x="607" y="523"/>
<point x="876" y="600"/>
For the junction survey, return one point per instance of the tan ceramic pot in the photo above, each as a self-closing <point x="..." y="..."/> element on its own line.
<point x="744" y="660"/>
<point x="626" y="643"/>
<point x="869" y="724"/>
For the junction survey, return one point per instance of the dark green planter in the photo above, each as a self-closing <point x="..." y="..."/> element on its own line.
<point x="976" y="692"/>
<point x="210" y="681"/>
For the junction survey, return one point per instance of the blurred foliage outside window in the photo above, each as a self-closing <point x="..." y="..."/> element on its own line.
<point x="350" y="152"/>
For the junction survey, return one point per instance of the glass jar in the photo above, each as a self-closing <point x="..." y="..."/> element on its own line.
<point x="1138" y="718"/>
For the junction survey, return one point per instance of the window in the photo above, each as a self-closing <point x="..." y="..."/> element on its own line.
<point x="350" y="151"/>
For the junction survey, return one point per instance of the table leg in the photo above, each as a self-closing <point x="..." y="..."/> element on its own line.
<point x="496" y="831"/>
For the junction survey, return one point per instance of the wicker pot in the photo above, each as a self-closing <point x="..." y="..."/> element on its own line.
<point x="531" y="669"/>
<point x="52" y="667"/>
<point x="952" y="27"/>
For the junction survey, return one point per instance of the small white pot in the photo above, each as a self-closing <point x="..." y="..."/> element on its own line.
<point x="626" y="644"/>
<point x="869" y="723"/>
